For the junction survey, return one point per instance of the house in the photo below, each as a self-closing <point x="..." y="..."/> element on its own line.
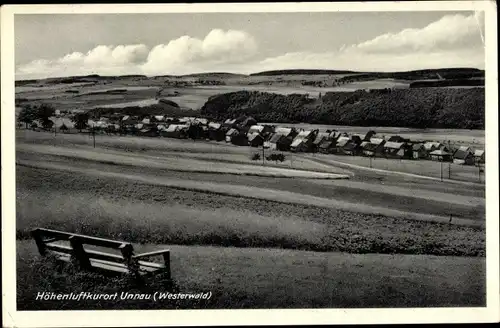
<point x="175" y="131"/>
<point x="229" y="123"/>
<point x="159" y="118"/>
<point x="369" y="135"/>
<point x="350" y="148"/>
<point x="279" y="142"/>
<point x="327" y="146"/>
<point x="379" y="149"/>
<point x="148" y="132"/>
<point x="440" y="155"/>
<point x="356" y="139"/>
<point x="303" y="141"/>
<point x="287" y="132"/>
<point x="146" y="121"/>
<point x="255" y="139"/>
<point x="244" y="123"/>
<point x="394" y="149"/>
<point x="398" y="139"/>
<point x="231" y="133"/>
<point x="431" y="146"/>
<point x="463" y="156"/>
<point x="215" y="131"/>
<point x="368" y="148"/>
<point x="479" y="157"/>
<point x="263" y="130"/>
<point x="341" y="143"/>
<point x="202" y="121"/>
<point x="418" y="151"/>
<point x="320" y="137"/>
<point x="240" y="139"/>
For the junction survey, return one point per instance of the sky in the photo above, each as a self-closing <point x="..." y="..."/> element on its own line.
<point x="51" y="45"/>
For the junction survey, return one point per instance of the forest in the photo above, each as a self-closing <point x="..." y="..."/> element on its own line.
<point x="412" y="108"/>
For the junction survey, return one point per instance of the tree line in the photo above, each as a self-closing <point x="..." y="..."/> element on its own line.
<point x="413" y="108"/>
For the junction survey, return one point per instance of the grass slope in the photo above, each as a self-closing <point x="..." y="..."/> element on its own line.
<point x="260" y="278"/>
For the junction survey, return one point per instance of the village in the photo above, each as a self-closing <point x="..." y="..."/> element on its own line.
<point x="246" y="131"/>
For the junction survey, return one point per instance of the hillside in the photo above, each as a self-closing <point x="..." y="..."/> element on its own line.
<point x="303" y="72"/>
<point x="413" y="108"/>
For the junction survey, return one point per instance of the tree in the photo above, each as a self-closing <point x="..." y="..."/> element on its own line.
<point x="43" y="113"/>
<point x="81" y="121"/>
<point x="27" y="115"/>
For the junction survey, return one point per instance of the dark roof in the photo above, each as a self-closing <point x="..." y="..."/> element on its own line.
<point x="325" y="144"/>
<point x="370" y="147"/>
<point x="417" y="146"/>
<point x="397" y="139"/>
<point x="350" y="146"/>
<point x="254" y="136"/>
<point x="460" y="154"/>
<point x="276" y="137"/>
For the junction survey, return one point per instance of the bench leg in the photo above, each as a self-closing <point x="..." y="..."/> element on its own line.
<point x="166" y="260"/>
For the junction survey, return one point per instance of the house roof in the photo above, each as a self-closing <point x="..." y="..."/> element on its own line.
<point x="461" y="154"/>
<point x="439" y="152"/>
<point x="393" y="145"/>
<point x="304" y="134"/>
<point x="176" y="127"/>
<point x="231" y="132"/>
<point x="478" y="152"/>
<point x="214" y="125"/>
<point x="276" y="137"/>
<point x="161" y="127"/>
<point x="145" y="130"/>
<point x="376" y="141"/>
<point x="464" y="148"/>
<point x="126" y="117"/>
<point x="201" y="120"/>
<point x="230" y="121"/>
<point x="364" y="143"/>
<point x="146" y="120"/>
<point x="252" y="136"/>
<point x="159" y="117"/>
<point x="296" y="142"/>
<point x="341" y="142"/>
<point x="417" y="146"/>
<point x="320" y="137"/>
<point x="283" y="131"/>
<point x="370" y="147"/>
<point x="396" y="139"/>
<point x="325" y="144"/>
<point x="349" y="146"/>
<point x="256" y="128"/>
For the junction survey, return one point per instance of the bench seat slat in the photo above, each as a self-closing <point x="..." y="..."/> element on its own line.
<point x="111" y="266"/>
<point x="91" y="253"/>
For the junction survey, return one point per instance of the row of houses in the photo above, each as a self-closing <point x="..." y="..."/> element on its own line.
<point x="245" y="131"/>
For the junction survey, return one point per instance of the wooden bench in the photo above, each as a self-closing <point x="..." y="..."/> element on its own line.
<point x="51" y="242"/>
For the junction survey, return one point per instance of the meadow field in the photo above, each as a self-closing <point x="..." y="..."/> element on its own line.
<point x="313" y="231"/>
<point x="235" y="230"/>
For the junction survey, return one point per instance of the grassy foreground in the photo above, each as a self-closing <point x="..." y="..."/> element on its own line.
<point x="260" y="278"/>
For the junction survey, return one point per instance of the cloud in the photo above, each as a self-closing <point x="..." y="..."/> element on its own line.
<point x="217" y="47"/>
<point x="452" y="41"/>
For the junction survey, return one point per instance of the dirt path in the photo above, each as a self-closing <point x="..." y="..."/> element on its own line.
<point x="255" y="192"/>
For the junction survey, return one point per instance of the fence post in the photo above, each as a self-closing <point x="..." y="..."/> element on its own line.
<point x="441" y="169"/>
<point x="166" y="259"/>
<point x="449" y="171"/>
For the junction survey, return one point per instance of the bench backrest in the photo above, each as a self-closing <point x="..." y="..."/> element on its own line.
<point x="45" y="237"/>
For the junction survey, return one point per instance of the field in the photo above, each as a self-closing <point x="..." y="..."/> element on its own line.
<point x="326" y="238"/>
<point x="311" y="231"/>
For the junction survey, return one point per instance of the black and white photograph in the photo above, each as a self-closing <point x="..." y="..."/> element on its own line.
<point x="259" y="159"/>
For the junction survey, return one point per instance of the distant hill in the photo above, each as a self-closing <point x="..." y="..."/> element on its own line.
<point x="412" y="108"/>
<point x="303" y="72"/>
<point x="452" y="73"/>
